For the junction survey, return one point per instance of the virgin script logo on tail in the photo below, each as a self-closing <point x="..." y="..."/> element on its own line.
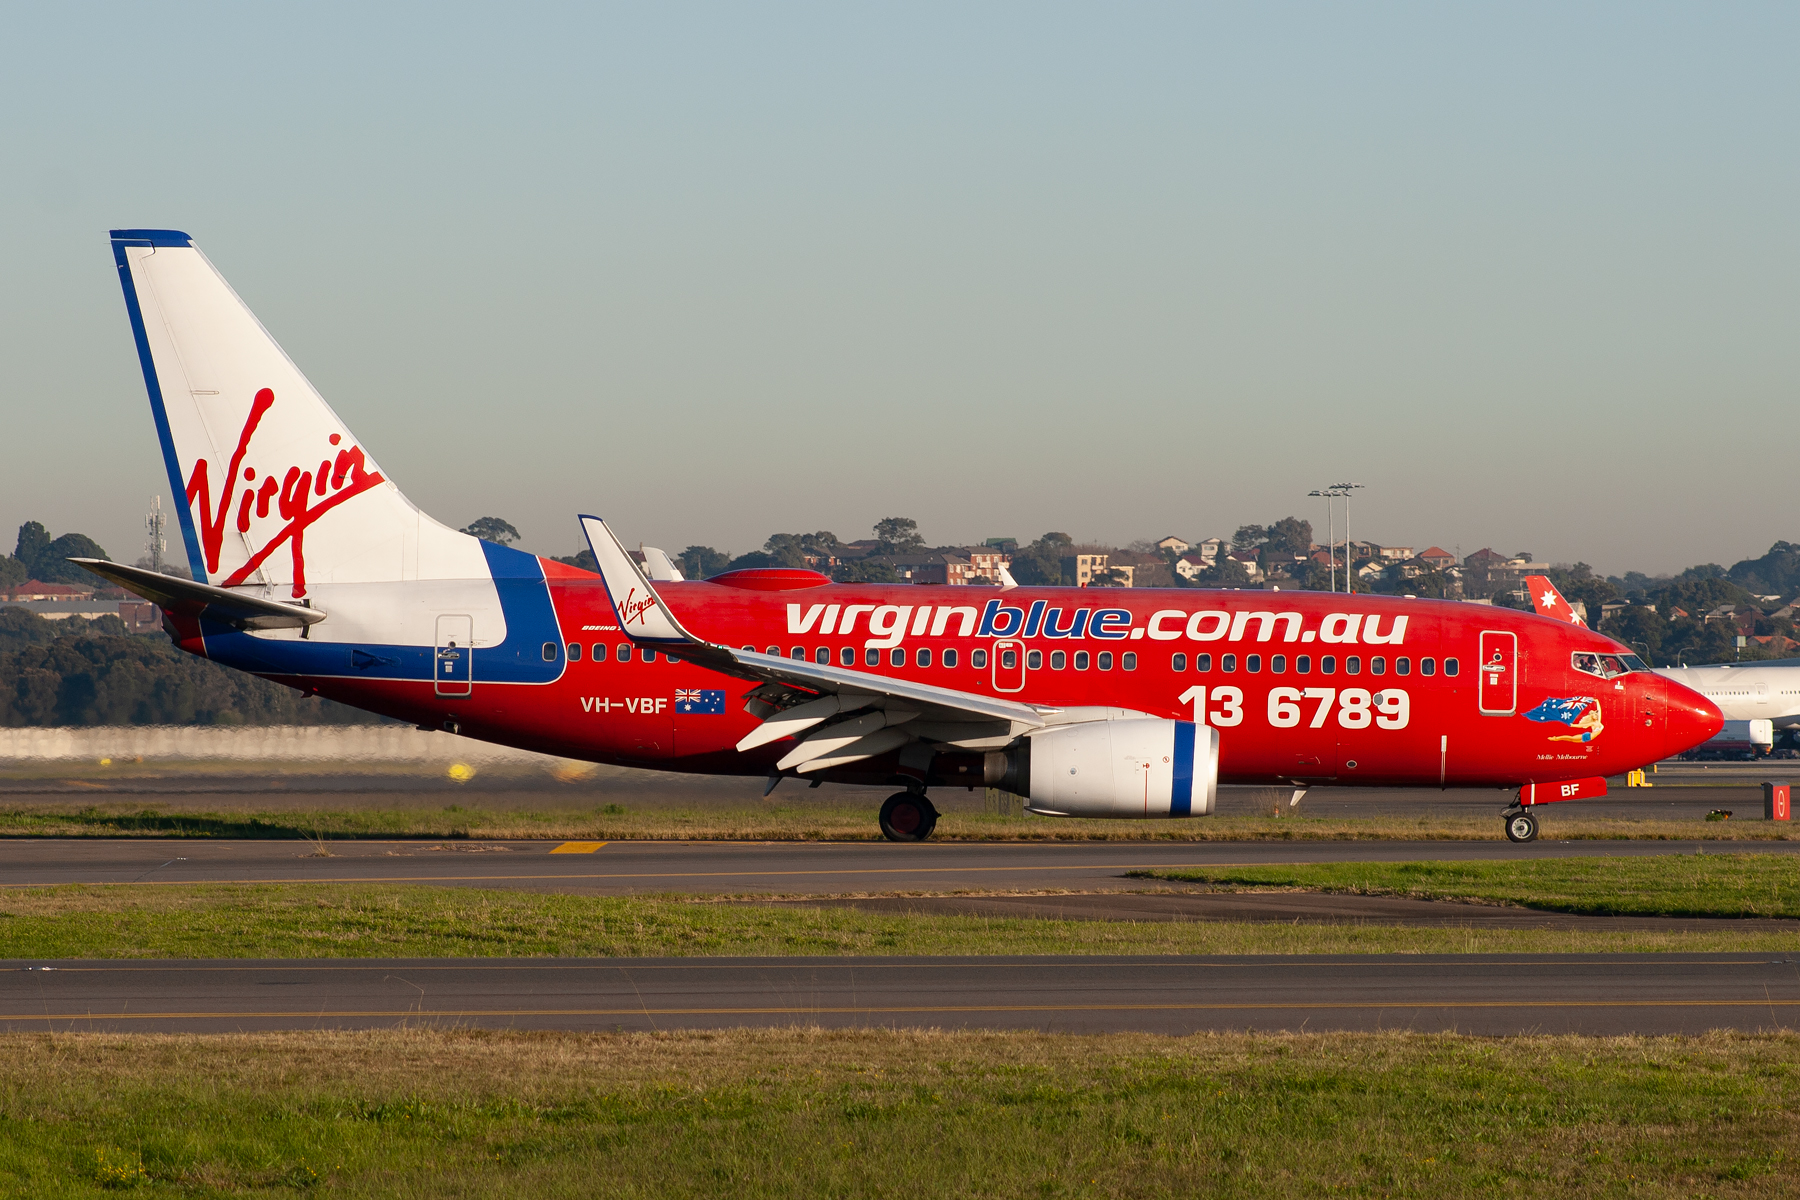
<point x="342" y="477"/>
<point x="633" y="608"/>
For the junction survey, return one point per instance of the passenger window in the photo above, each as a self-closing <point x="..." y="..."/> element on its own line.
<point x="625" y="651"/>
<point x="949" y="658"/>
<point x="1303" y="665"/>
<point x="822" y="656"/>
<point x="1227" y="662"/>
<point x="1403" y="666"/>
<point x="649" y="655"/>
<point x="1128" y="661"/>
<point x="923" y="658"/>
<point x="1104" y="660"/>
<point x="1081" y="660"/>
<point x="1278" y="664"/>
<point x="978" y="659"/>
<point x="847" y="656"/>
<point x="1009" y="658"/>
<point x="1253" y="663"/>
<point x="1058" y="660"/>
<point x="549" y="651"/>
<point x="574" y="651"/>
<point x="773" y="651"/>
<point x="1353" y="665"/>
<point x="896" y="657"/>
<point x="1202" y="662"/>
<point x="1378" y="665"/>
<point x="871" y="657"/>
<point x="1178" y="663"/>
<point x="798" y="652"/>
<point x="1034" y="660"/>
<point x="1328" y="665"/>
<point x="1450" y="666"/>
<point x="600" y="651"/>
<point x="1428" y="666"/>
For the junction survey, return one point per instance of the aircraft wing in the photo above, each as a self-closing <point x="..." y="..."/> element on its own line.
<point x="190" y="599"/>
<point x="1546" y="601"/>
<point x="841" y="715"/>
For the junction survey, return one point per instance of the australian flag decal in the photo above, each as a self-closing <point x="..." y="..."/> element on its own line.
<point x="705" y="701"/>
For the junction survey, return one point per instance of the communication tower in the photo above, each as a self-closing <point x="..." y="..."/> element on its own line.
<point x="154" y="542"/>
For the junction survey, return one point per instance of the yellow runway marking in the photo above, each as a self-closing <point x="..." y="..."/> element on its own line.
<point x="578" y="847"/>
<point x="896" y="1009"/>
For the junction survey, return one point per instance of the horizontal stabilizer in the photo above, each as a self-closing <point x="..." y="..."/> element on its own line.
<point x="189" y="599"/>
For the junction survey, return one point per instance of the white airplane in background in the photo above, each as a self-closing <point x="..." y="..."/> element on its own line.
<point x="1753" y="692"/>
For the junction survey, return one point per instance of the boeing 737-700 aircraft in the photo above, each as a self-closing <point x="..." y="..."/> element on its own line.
<point x="311" y="568"/>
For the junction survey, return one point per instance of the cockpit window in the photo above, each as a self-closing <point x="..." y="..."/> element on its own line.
<point x="1606" y="666"/>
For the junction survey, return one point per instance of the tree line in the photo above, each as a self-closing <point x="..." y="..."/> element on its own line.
<point x="43" y="558"/>
<point x="77" y="672"/>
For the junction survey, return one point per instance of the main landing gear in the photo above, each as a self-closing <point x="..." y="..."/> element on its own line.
<point x="908" y="817"/>
<point x="1521" y="825"/>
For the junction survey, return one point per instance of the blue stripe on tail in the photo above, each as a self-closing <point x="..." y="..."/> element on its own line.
<point x="121" y="238"/>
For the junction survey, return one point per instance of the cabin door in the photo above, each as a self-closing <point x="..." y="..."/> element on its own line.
<point x="454" y="662"/>
<point x="1497" y="686"/>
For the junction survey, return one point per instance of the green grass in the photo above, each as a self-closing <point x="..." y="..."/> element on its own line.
<point x="801" y="1113"/>
<point x="403" y="921"/>
<point x="781" y="818"/>
<point x="1698" y="885"/>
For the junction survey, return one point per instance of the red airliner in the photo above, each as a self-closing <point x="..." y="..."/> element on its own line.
<point x="310" y="568"/>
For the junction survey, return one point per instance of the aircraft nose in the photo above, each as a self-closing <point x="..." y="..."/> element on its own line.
<point x="1692" y="719"/>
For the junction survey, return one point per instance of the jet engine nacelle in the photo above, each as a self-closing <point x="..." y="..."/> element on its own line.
<point x="1137" y="767"/>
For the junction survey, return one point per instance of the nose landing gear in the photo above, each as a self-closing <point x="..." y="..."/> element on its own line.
<point x="908" y="817"/>
<point x="1521" y="825"/>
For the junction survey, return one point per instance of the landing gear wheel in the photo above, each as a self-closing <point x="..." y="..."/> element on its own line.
<point x="1521" y="827"/>
<point x="907" y="818"/>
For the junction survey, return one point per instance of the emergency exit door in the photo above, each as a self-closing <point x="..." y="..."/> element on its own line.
<point x="1497" y="685"/>
<point x="453" y="667"/>
<point x="1009" y="666"/>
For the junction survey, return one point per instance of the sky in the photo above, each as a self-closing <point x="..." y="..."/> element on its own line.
<point x="1527" y="272"/>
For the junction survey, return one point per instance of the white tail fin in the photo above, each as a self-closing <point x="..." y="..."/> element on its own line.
<point x="278" y="490"/>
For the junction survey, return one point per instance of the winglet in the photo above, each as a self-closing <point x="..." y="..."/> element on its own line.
<point x="643" y="617"/>
<point x="1546" y="601"/>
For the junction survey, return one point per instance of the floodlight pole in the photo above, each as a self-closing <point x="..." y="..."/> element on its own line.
<point x="1344" y="490"/>
<point x="1330" y="531"/>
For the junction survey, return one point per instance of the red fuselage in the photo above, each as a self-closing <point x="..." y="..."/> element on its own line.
<point x="1304" y="687"/>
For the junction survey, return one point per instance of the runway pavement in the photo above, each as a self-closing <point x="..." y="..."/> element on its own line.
<point x="779" y="868"/>
<point x="1481" y="994"/>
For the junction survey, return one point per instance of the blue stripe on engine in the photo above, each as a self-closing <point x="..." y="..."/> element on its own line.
<point x="1181" y="795"/>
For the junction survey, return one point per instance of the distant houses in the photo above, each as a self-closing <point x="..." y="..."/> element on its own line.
<point x="63" y="601"/>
